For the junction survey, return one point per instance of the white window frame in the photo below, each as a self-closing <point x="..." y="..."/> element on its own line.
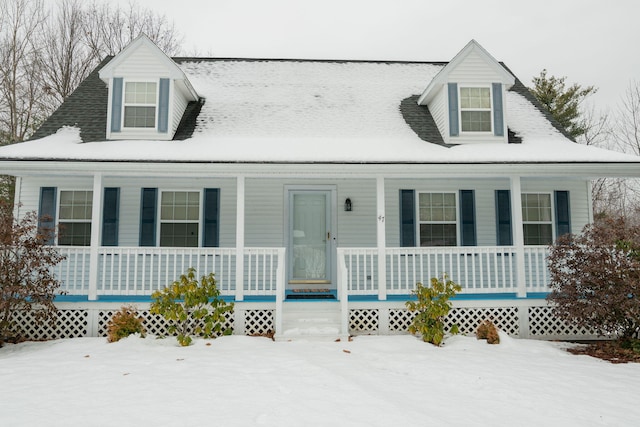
<point x="419" y="222"/>
<point x="72" y="220"/>
<point x="551" y="222"/>
<point x="461" y="109"/>
<point x="125" y="104"/>
<point x="199" y="222"/>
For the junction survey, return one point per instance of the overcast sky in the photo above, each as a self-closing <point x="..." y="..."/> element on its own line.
<point x="592" y="42"/>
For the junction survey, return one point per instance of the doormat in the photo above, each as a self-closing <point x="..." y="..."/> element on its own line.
<point x="311" y="291"/>
<point x="310" y="296"/>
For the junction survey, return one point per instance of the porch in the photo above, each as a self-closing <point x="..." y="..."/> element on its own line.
<point x="365" y="276"/>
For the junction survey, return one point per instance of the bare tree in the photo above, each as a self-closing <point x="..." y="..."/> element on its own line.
<point x="118" y="26"/>
<point x="21" y="102"/>
<point x="66" y="58"/>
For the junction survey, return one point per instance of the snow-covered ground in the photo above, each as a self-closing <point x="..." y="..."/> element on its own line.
<point x="370" y="381"/>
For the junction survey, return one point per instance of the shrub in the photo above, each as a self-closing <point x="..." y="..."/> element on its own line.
<point x="192" y="307"/>
<point x="432" y="306"/>
<point x="595" y="278"/>
<point x="488" y="331"/>
<point x="124" y="323"/>
<point x="27" y="281"/>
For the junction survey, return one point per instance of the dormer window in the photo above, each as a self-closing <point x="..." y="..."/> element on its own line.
<point x="140" y="100"/>
<point x="475" y="109"/>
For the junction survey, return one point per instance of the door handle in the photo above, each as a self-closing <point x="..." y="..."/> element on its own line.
<point x="328" y="235"/>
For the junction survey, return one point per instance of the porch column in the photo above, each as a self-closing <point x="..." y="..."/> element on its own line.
<point x="381" y="239"/>
<point x="518" y="235"/>
<point x="96" y="221"/>
<point x="17" y="196"/>
<point x="240" y="238"/>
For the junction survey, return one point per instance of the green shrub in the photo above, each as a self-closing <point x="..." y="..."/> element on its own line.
<point x="488" y="331"/>
<point x="192" y="307"/>
<point x="432" y="306"/>
<point x="124" y="323"/>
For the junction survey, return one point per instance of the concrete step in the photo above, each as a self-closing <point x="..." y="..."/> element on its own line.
<point x="311" y="320"/>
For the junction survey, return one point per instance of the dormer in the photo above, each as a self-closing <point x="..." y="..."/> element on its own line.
<point x="467" y="98"/>
<point x="148" y="92"/>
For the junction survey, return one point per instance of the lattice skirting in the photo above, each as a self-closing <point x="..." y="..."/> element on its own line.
<point x="467" y="319"/>
<point x="523" y="319"/>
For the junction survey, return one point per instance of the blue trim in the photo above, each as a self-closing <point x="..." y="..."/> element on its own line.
<point x="211" y="218"/>
<point x="498" y="120"/>
<point x="503" y="218"/>
<point x="407" y="218"/>
<point x="116" y="104"/>
<point x="259" y="298"/>
<point x="148" y="203"/>
<point x="163" y="106"/>
<point x="467" y="218"/>
<point x="453" y="109"/>
<point x="71" y="298"/>
<point x="47" y="211"/>
<point x="110" y="213"/>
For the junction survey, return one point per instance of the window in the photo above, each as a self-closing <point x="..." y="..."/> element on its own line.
<point x="438" y="219"/>
<point x="140" y="99"/>
<point x="75" y="218"/>
<point x="537" y="219"/>
<point x="475" y="109"/>
<point x="179" y="218"/>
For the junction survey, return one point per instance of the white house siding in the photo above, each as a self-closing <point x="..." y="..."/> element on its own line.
<point x="438" y="110"/>
<point x="143" y="63"/>
<point x="484" y="201"/>
<point x="179" y="105"/>
<point x="473" y="69"/>
<point x="579" y="200"/>
<point x="266" y="206"/>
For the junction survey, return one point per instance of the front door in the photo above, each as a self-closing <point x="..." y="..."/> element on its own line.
<point x="309" y="246"/>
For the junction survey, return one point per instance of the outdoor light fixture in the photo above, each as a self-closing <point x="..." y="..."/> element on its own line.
<point x="347" y="205"/>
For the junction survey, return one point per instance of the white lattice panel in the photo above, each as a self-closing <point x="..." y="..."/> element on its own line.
<point x="400" y="319"/>
<point x="542" y="323"/>
<point x="363" y="320"/>
<point x="153" y="324"/>
<point x="68" y="324"/>
<point x="259" y="322"/>
<point x="467" y="319"/>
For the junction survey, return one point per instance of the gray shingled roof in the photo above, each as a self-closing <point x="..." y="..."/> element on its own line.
<point x="86" y="108"/>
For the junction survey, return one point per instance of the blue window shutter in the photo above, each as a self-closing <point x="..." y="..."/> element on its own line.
<point x="504" y="235"/>
<point x="468" y="218"/>
<point x="211" y="235"/>
<point x="110" y="213"/>
<point x="47" y="211"/>
<point x="563" y="213"/>
<point x="116" y="104"/>
<point x="498" y="111"/>
<point x="453" y="109"/>
<point x="163" y="106"/>
<point x="149" y="200"/>
<point x="407" y="218"/>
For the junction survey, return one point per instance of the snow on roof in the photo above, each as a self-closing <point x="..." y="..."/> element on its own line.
<point x="316" y="111"/>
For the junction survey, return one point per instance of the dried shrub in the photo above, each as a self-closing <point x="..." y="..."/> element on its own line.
<point x="488" y="331"/>
<point x="27" y="280"/>
<point x="124" y="323"/>
<point x="595" y="278"/>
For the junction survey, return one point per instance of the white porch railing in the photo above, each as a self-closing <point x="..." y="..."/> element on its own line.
<point x="477" y="269"/>
<point x="140" y="270"/>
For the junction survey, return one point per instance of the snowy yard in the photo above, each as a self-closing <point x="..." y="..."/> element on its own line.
<point x="370" y="381"/>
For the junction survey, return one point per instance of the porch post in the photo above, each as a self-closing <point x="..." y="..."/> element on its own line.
<point x="381" y="239"/>
<point x="16" y="198"/>
<point x="96" y="221"/>
<point x="518" y="235"/>
<point x="240" y="238"/>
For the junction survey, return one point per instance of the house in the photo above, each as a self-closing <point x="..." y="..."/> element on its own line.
<point x="319" y="192"/>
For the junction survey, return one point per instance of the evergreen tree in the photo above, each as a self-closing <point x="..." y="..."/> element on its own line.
<point x="562" y="102"/>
